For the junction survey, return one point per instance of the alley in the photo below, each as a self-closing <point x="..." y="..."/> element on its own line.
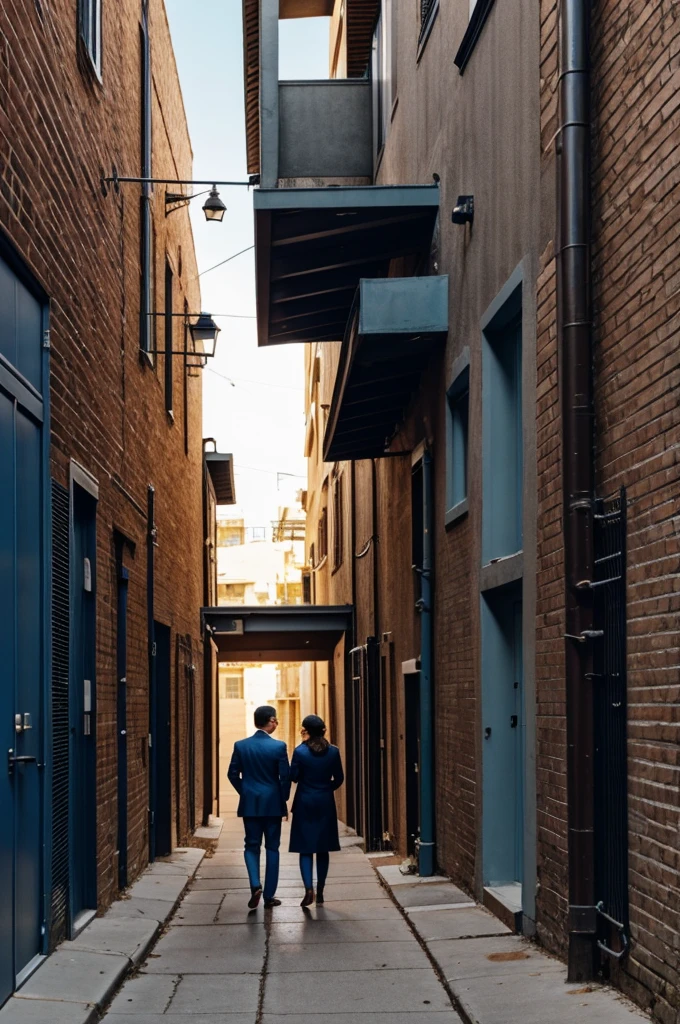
<point x="218" y="963"/>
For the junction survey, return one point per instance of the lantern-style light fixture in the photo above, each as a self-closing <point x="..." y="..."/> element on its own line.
<point x="205" y="331"/>
<point x="213" y="207"/>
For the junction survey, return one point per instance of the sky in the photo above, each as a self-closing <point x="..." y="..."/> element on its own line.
<point x="252" y="398"/>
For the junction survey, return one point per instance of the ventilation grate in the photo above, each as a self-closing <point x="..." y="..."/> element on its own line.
<point x="60" y="712"/>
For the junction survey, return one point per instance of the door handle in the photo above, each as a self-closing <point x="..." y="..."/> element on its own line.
<point x="487" y="732"/>
<point x="13" y="760"/>
<point x="513" y="721"/>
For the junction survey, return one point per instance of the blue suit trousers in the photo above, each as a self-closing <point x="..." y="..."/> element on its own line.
<point x="255" y="829"/>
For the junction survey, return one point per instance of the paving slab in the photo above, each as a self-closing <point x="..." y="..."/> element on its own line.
<point x="141" y="909"/>
<point x="197" y="993"/>
<point x="321" y="932"/>
<point x="393" y="875"/>
<point x="147" y="993"/>
<point x="78" y="977"/>
<point x="356" y="992"/>
<point x="499" y="956"/>
<point x="416" y="895"/>
<point x="289" y="957"/>
<point x="236" y="949"/>
<point x="127" y="937"/>
<point x="461" y="922"/>
<point x="418" y="1017"/>
<point x="522" y="1000"/>
<point x="213" y="897"/>
<point x="40" y="1011"/>
<point x="167" y="888"/>
<point x="195" y="914"/>
<point x="181" y="1018"/>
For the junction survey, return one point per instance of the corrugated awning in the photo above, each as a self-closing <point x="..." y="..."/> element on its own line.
<point x="394" y="325"/>
<point x="313" y="245"/>
<point x="221" y="470"/>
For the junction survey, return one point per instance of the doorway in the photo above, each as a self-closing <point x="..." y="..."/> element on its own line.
<point x="160" y="790"/>
<point x="503" y="739"/>
<point x="22" y="611"/>
<point x="82" y="710"/>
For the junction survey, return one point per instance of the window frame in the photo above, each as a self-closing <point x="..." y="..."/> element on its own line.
<point x="458" y="441"/>
<point x="90" y="30"/>
<point x="338" y="522"/>
<point x="233" y="672"/>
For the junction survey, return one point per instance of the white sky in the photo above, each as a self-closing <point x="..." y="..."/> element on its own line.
<point x="260" y="416"/>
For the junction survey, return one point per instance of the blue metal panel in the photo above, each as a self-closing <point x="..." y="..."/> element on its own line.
<point x="21" y="319"/>
<point x="404" y="305"/>
<point x="502" y="743"/>
<point x="121" y="719"/>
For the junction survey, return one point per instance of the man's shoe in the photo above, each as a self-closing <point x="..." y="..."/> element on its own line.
<point x="254" y="900"/>
<point x="273" y="902"/>
<point x="319" y="896"/>
<point x="308" y="898"/>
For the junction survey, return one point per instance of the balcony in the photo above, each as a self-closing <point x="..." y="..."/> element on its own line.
<point x="393" y="328"/>
<point x="314" y="245"/>
<point x="303" y="132"/>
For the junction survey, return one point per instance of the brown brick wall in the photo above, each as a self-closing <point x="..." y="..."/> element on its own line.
<point x="59" y="130"/>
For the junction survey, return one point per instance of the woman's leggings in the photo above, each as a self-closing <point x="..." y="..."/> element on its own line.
<point x="307" y="869"/>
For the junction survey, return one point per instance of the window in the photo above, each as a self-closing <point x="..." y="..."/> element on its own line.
<point x="338" y="522"/>
<point x="502" y="461"/>
<point x="230" y="533"/>
<point x="231" y="593"/>
<point x="322" y="536"/>
<point x="231" y="682"/>
<point x="307" y="587"/>
<point x="91" y="31"/>
<point x="383" y="74"/>
<point x="457" y="413"/>
<point x="169" y="347"/>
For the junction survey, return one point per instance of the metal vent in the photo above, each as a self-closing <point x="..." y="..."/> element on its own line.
<point x="610" y="715"/>
<point x="60" y="712"/>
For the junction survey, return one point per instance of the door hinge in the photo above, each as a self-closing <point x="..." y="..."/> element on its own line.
<point x="153" y="649"/>
<point x="46" y="339"/>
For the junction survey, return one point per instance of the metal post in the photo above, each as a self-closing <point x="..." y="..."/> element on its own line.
<point x="426" y="858"/>
<point x="575" y="337"/>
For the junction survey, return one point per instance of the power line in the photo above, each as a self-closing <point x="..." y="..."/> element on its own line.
<point x="247" y="380"/>
<point x="240" y="253"/>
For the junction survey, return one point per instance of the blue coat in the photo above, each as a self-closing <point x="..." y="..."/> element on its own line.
<point x="260" y="774"/>
<point x="315" y="819"/>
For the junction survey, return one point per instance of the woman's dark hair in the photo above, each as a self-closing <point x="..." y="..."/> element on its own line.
<point x="316" y="728"/>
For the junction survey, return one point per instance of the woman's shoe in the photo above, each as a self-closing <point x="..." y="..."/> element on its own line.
<point x="319" y="897"/>
<point x="308" y="898"/>
<point x="273" y="902"/>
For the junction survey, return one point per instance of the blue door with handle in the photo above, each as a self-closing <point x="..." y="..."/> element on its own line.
<point x="22" y="615"/>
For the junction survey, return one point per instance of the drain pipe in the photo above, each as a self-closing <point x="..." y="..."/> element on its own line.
<point x="426" y="858"/>
<point x="145" y="213"/>
<point x="575" y="336"/>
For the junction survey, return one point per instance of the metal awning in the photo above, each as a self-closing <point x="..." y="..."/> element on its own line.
<point x="277" y="632"/>
<point x="313" y="245"/>
<point x="221" y="470"/>
<point x="393" y="327"/>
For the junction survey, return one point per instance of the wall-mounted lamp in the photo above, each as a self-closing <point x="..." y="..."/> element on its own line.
<point x="464" y="210"/>
<point x="213" y="207"/>
<point x="203" y="332"/>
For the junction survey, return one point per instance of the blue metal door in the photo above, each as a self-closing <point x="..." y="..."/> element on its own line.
<point x="160" y="783"/>
<point x="83" y="829"/>
<point x="22" y="612"/>
<point x="503" y="746"/>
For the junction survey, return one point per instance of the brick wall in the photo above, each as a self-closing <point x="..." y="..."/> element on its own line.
<point x="60" y="129"/>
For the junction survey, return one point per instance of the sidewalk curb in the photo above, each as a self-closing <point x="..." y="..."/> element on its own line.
<point x="77" y="981"/>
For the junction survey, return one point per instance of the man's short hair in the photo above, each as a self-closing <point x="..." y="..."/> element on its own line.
<point x="264" y="715"/>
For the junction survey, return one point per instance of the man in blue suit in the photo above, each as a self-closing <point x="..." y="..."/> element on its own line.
<point x="260" y="774"/>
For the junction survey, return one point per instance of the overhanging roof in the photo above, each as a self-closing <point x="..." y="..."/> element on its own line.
<point x="221" y="470"/>
<point x="393" y="327"/>
<point x="313" y="245"/>
<point x="277" y="632"/>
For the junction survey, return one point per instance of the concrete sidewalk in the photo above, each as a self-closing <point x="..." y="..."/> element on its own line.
<point x="359" y="959"/>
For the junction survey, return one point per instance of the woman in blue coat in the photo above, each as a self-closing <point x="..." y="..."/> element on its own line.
<point x="317" y="769"/>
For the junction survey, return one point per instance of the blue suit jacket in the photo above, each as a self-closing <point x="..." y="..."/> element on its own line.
<point x="260" y="774"/>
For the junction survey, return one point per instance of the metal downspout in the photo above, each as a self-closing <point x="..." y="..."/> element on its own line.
<point x="151" y="535"/>
<point x="426" y="852"/>
<point x="575" y="338"/>
<point x="145" y="213"/>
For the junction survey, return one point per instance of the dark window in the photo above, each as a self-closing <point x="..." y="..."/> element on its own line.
<point x="91" y="31"/>
<point x="169" y="329"/>
<point x="458" y="405"/>
<point x="306" y="588"/>
<point x="338" y="522"/>
<point x="322" y="535"/>
<point x="231" y="683"/>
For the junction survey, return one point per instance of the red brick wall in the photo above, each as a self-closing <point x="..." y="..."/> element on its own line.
<point x="59" y="130"/>
<point x="636" y="111"/>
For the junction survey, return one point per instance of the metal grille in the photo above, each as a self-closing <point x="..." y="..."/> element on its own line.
<point x="60" y="712"/>
<point x="609" y="686"/>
